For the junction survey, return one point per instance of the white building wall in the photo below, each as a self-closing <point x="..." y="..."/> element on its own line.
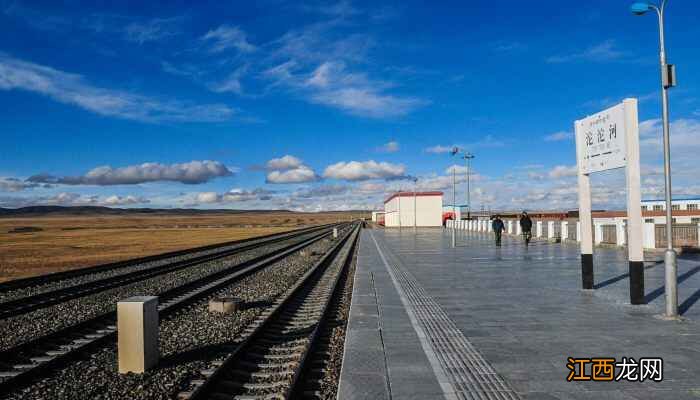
<point x="428" y="211"/>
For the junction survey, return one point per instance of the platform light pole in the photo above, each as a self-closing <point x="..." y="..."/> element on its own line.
<point x="454" y="151"/>
<point x="668" y="80"/>
<point x="415" y="212"/>
<point x="467" y="160"/>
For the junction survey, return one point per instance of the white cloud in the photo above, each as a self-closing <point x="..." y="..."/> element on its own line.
<point x="72" y="89"/>
<point x="602" y="52"/>
<point x="311" y="62"/>
<point x="115" y="200"/>
<point x="151" y="30"/>
<point x="357" y="171"/>
<point x="193" y="172"/>
<point x="440" y="149"/>
<point x="563" y="171"/>
<point x="284" y="163"/>
<point x="389" y="147"/>
<point x="72" y="199"/>
<point x="17" y="185"/>
<point x="227" y="37"/>
<point x="299" y="174"/>
<point x="559" y="136"/>
<point x="232" y="196"/>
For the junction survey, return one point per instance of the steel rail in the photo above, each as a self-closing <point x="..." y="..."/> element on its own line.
<point x="218" y="383"/>
<point x="57" y="276"/>
<point x="33" y="359"/>
<point x="41" y="300"/>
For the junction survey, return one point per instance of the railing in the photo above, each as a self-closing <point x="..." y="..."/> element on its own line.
<point x="684" y="235"/>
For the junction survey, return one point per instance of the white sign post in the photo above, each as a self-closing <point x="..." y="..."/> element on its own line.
<point x="609" y="140"/>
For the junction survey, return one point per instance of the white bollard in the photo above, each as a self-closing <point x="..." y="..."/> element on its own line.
<point x="564" y="230"/>
<point x="538" y="232"/>
<point x="335" y="233"/>
<point x="137" y="334"/>
<point x="510" y="227"/>
<point x="598" y="237"/>
<point x="649" y="235"/>
<point x="518" y="228"/>
<point x="621" y="232"/>
<point x="550" y="230"/>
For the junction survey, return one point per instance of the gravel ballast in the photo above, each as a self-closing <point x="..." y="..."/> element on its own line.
<point x="188" y="341"/>
<point x="25" y="327"/>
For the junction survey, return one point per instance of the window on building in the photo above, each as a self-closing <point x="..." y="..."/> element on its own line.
<point x="658" y="207"/>
<point x="649" y="220"/>
<point x="692" y="207"/>
<point x="673" y="220"/>
<point x="644" y="208"/>
<point x="695" y="220"/>
<point x="675" y="207"/>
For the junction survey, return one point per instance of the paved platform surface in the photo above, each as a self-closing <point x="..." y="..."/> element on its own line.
<point x="483" y="322"/>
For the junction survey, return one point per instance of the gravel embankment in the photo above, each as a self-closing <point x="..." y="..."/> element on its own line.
<point x="188" y="341"/>
<point x="25" y="327"/>
<point x="338" y="325"/>
<point x="77" y="280"/>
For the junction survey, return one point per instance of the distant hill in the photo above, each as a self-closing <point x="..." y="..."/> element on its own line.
<point x="92" y="210"/>
<point x="96" y="210"/>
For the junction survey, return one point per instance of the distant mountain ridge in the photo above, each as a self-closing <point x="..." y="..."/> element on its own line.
<point x="85" y="210"/>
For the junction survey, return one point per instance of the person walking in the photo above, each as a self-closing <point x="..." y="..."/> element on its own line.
<point x="526" y="227"/>
<point x="498" y="228"/>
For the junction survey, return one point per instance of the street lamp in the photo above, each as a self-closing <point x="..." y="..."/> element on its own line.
<point x="668" y="80"/>
<point x="467" y="159"/>
<point x="454" y="151"/>
<point x="415" y="213"/>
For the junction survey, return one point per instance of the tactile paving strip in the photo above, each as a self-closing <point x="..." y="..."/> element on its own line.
<point x="469" y="374"/>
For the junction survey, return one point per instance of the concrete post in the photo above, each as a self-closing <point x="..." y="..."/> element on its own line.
<point x="598" y="229"/>
<point x="649" y="235"/>
<point x="564" y="230"/>
<point x="620" y="232"/>
<point x="335" y="233"/>
<point x="510" y="227"/>
<point x="538" y="230"/>
<point x="518" y="229"/>
<point x="550" y="229"/>
<point x="137" y="334"/>
<point x="489" y="227"/>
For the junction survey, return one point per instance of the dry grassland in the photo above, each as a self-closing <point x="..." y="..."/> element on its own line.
<point x="32" y="246"/>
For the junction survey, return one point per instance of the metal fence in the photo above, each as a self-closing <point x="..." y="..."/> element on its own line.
<point x="684" y="235"/>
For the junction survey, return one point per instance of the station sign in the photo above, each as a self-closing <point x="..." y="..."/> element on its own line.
<point x="600" y="140"/>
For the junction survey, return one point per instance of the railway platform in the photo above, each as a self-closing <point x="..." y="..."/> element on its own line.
<point x="483" y="322"/>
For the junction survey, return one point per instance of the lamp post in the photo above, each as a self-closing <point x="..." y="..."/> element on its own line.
<point x="415" y="213"/>
<point x="454" y="151"/>
<point x="467" y="160"/>
<point x="668" y="80"/>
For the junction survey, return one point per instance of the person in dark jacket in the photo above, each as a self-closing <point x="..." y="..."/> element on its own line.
<point x="526" y="227"/>
<point x="498" y="228"/>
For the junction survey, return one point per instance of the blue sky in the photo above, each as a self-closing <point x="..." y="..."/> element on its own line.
<point x="329" y="105"/>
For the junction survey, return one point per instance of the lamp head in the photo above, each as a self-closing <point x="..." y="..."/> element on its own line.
<point x="640" y="8"/>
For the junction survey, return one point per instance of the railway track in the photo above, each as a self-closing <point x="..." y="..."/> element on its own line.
<point x="272" y="354"/>
<point x="36" y="358"/>
<point x="30" y="303"/>
<point x="25" y="283"/>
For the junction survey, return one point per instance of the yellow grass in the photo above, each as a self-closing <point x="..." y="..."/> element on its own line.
<point x="69" y="242"/>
